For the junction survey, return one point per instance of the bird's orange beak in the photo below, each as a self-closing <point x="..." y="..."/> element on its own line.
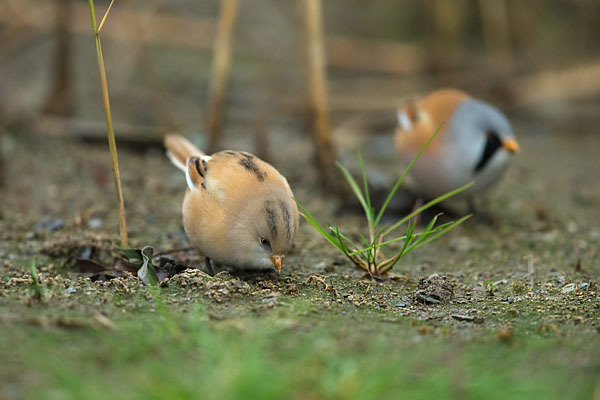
<point x="277" y="261"/>
<point x="511" y="145"/>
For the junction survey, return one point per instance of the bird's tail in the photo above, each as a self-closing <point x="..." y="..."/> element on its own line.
<point x="179" y="149"/>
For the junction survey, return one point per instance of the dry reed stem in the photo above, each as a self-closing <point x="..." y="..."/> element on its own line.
<point x="220" y="71"/>
<point x="104" y="18"/>
<point x="448" y="24"/>
<point x="60" y="99"/>
<point x="317" y="86"/>
<point x="109" y="128"/>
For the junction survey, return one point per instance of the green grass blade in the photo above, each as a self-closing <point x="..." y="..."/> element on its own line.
<point x="387" y="242"/>
<point x="375" y="246"/>
<point x="315" y="224"/>
<point x="366" y="189"/>
<point x="339" y="238"/>
<point x="405" y="173"/>
<point x="429" y="229"/>
<point x="410" y="236"/>
<point x="344" y="237"/>
<point x="427" y="233"/>
<point x="428" y="205"/>
<point x="36" y="289"/>
<point x="368" y="246"/>
<point x="355" y="188"/>
<point x="446" y="228"/>
<point x="379" y="232"/>
<point x="365" y="241"/>
<point x="34" y="274"/>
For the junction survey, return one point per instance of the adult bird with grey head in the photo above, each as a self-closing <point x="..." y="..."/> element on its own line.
<point x="238" y="210"/>
<point x="475" y="143"/>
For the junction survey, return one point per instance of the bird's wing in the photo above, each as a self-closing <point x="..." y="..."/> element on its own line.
<point x="235" y="175"/>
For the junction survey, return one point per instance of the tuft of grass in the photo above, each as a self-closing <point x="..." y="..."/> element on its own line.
<point x="367" y="253"/>
<point x="36" y="289"/>
<point x="109" y="125"/>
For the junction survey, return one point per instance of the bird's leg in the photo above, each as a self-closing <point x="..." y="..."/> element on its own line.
<point x="209" y="267"/>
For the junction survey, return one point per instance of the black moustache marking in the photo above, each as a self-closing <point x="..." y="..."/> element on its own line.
<point x="271" y="220"/>
<point x="492" y="144"/>
<point x="285" y="213"/>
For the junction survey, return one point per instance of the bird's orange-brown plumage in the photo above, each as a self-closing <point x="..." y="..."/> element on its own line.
<point x="426" y="115"/>
<point x="474" y="142"/>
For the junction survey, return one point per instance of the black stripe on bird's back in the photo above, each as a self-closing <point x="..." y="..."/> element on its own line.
<point x="247" y="161"/>
<point x="492" y="144"/>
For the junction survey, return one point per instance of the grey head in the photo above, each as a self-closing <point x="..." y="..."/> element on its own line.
<point x="481" y="131"/>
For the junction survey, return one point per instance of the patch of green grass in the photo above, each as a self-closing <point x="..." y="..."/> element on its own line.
<point x="295" y="357"/>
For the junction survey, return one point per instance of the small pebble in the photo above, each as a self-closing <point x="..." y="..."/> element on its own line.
<point x="468" y="318"/>
<point x="427" y="300"/>
<point x="510" y="300"/>
<point x="400" y="305"/>
<point x="320" y="266"/>
<point x="95" y="223"/>
<point x="49" y="224"/>
<point x="568" y="288"/>
<point x="583" y="286"/>
<point x="70" y="290"/>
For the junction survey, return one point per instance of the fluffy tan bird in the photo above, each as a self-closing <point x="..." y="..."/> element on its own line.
<point x="474" y="144"/>
<point x="238" y="210"/>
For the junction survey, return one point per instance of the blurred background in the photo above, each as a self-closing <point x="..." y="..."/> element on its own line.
<point x="158" y="55"/>
<point x="539" y="61"/>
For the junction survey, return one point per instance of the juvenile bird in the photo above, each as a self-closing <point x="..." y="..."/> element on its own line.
<point x="238" y="210"/>
<point x="474" y="144"/>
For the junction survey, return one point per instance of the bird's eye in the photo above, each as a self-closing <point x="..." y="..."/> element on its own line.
<point x="265" y="242"/>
